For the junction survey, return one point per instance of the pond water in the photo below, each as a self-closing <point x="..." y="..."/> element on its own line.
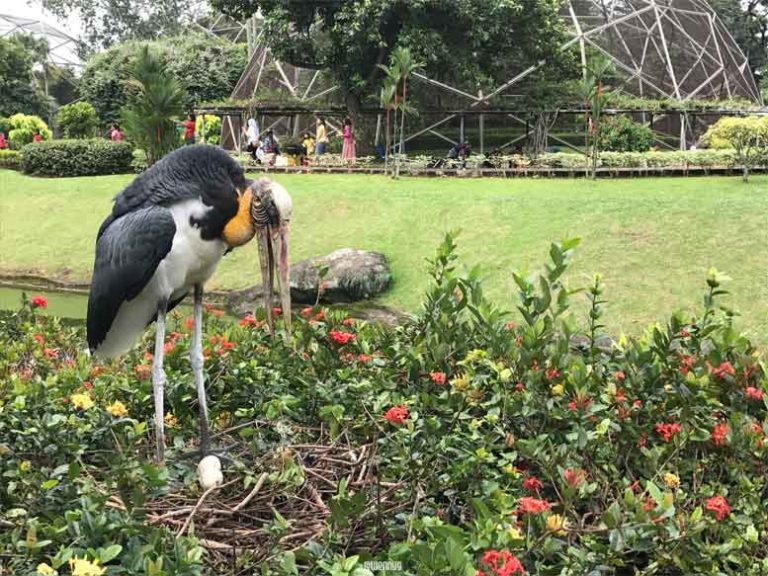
<point x="62" y="304"/>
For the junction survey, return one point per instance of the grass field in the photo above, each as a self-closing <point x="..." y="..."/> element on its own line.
<point x="652" y="239"/>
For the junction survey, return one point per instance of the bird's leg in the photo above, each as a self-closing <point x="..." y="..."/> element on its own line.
<point x="196" y="360"/>
<point x="267" y="266"/>
<point x="281" y="249"/>
<point x="159" y="380"/>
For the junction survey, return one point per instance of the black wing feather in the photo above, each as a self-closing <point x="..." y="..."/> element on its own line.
<point x="128" y="252"/>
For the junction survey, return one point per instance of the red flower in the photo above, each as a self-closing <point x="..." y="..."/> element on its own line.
<point x="438" y="378"/>
<point x="642" y="441"/>
<point x="721" y="371"/>
<point x="148" y="356"/>
<point x="528" y="505"/>
<point x="637" y="404"/>
<point x="686" y="363"/>
<point x="276" y="311"/>
<point x="532" y="484"/>
<point x="39" y="339"/>
<point x="620" y="396"/>
<point x="649" y="504"/>
<point x="551" y="373"/>
<point x="574" y="477"/>
<point x="519" y="387"/>
<point x="306" y="312"/>
<point x="39" y="301"/>
<point x="87" y="385"/>
<point x="720" y="434"/>
<point x="619" y="376"/>
<point x="250" y="320"/>
<point x="667" y="430"/>
<point x="683" y="333"/>
<point x="511" y="325"/>
<point x="168" y="347"/>
<point x="718" y="505"/>
<point x="753" y="393"/>
<point x="364" y="358"/>
<point x="142" y="371"/>
<point x="51" y="353"/>
<point x="96" y="371"/>
<point x="217" y="313"/>
<point x="579" y="403"/>
<point x="396" y="414"/>
<point x="189" y="323"/>
<point x="340" y="337"/>
<point x="501" y="563"/>
<point x="348" y="322"/>
<point x="320" y="316"/>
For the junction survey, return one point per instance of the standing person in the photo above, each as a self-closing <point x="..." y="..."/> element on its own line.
<point x="308" y="143"/>
<point x="252" y="137"/>
<point x="348" y="148"/>
<point x="189" y="129"/>
<point x="37" y="137"/>
<point x="321" y="138"/>
<point x="116" y="135"/>
<point x="3" y="141"/>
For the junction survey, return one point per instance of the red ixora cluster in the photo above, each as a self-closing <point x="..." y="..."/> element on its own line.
<point x="249" y="320"/>
<point x="396" y="414"/>
<point x="39" y="301"/>
<point x="754" y="393"/>
<point x="718" y="505"/>
<point x="340" y="337"/>
<point x="667" y="430"/>
<point x="528" y="505"/>
<point x="532" y="484"/>
<point x="725" y="368"/>
<point x="437" y="377"/>
<point x="720" y="434"/>
<point x="500" y="563"/>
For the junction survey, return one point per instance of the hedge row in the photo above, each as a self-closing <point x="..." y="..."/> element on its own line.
<point x="10" y="159"/>
<point x="77" y="158"/>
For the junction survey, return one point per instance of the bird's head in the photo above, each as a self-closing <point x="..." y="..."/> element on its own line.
<point x="265" y="211"/>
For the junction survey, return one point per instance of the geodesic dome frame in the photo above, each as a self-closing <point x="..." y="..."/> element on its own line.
<point x="62" y="48"/>
<point x="664" y="49"/>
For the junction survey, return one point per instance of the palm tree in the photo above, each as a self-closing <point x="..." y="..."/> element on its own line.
<point x="156" y="101"/>
<point x="595" y="98"/>
<point x="394" y="94"/>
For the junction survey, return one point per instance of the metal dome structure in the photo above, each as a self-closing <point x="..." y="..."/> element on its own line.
<point x="62" y="47"/>
<point x="675" y="49"/>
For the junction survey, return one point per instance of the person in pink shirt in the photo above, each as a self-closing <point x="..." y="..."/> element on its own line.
<point x="348" y="148"/>
<point x="116" y="135"/>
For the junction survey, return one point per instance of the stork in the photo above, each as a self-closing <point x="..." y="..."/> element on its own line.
<point x="164" y="238"/>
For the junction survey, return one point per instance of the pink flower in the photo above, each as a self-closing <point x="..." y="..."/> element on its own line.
<point x="396" y="414"/>
<point x="753" y="393"/>
<point x="551" y="373"/>
<point x="39" y="301"/>
<point x="39" y="339"/>
<point x="249" y="320"/>
<point x="574" y="477"/>
<point x="532" y="484"/>
<point x="438" y="378"/>
<point x="718" y="505"/>
<point x="340" y="337"/>
<point x="528" y="505"/>
<point x="619" y="376"/>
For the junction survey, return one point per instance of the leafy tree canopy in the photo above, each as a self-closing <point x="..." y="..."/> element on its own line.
<point x="19" y="91"/>
<point x="106" y="22"/>
<point x="747" y="21"/>
<point x="205" y="67"/>
<point x="471" y="43"/>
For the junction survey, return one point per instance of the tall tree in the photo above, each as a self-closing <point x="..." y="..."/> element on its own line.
<point x="19" y="91"/>
<point x="747" y="21"/>
<point x="106" y="22"/>
<point x="472" y="43"/>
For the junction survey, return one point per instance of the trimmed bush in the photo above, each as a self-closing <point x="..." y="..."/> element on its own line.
<point x="10" y="159"/>
<point x="77" y="158"/>
<point x="23" y="130"/>
<point x="78" y="120"/>
<point x="622" y="134"/>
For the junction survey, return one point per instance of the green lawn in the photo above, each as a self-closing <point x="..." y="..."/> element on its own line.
<point x="652" y="239"/>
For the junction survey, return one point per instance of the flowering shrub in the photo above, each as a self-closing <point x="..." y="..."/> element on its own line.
<point x="487" y="445"/>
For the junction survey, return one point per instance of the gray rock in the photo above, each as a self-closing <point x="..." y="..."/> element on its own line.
<point x="352" y="275"/>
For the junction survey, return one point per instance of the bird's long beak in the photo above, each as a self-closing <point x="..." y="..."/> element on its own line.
<point x="273" y="245"/>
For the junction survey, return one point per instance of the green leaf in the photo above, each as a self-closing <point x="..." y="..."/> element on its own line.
<point x="655" y="493"/>
<point x="612" y="516"/>
<point x="110" y="553"/>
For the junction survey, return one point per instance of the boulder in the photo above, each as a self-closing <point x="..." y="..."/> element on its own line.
<point x="351" y="275"/>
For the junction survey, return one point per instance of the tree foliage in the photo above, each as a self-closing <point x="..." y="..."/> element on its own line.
<point x="747" y="136"/>
<point x="622" y="134"/>
<point x="77" y="120"/>
<point x="19" y="91"/>
<point x="472" y="43"/>
<point x="106" y="22"/>
<point x="207" y="69"/>
<point x="23" y="129"/>
<point x="156" y="101"/>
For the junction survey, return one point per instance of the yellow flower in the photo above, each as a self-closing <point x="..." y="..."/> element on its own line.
<point x="117" y="409"/>
<point x="44" y="570"/>
<point x="82" y="401"/>
<point x="170" y="420"/>
<point x="557" y="390"/>
<point x="224" y="420"/>
<point x="83" y="567"/>
<point x="460" y="383"/>
<point x="556" y="524"/>
<point x="671" y="480"/>
<point x="25" y="466"/>
<point x="514" y="533"/>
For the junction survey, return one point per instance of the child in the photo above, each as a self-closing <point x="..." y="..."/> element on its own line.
<point x="309" y="147"/>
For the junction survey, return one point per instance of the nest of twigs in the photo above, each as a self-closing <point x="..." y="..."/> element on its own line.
<point x="231" y="518"/>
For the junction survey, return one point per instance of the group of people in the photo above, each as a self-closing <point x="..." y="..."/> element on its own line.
<point x="267" y="149"/>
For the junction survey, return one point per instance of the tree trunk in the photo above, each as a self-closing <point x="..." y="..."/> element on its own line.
<point x="541" y="126"/>
<point x="364" y="130"/>
<point x="387" y="140"/>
